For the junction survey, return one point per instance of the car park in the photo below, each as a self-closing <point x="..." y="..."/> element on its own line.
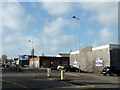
<point x="111" y="71"/>
<point x="15" y="66"/>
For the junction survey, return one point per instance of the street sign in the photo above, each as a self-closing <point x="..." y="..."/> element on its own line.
<point x="98" y="62"/>
<point x="75" y="63"/>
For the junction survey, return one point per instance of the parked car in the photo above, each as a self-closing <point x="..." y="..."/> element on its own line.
<point x="60" y="67"/>
<point x="71" y="68"/>
<point x="15" y="66"/>
<point x="111" y="71"/>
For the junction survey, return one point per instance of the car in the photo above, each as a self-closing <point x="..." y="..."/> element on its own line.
<point x="60" y="67"/>
<point x="71" y="68"/>
<point x="111" y="71"/>
<point x="15" y="66"/>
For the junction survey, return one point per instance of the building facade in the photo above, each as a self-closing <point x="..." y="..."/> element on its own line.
<point x="45" y="61"/>
<point x="24" y="59"/>
<point x="94" y="59"/>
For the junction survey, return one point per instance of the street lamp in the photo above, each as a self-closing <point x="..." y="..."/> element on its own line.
<point x="79" y="40"/>
<point x="32" y="51"/>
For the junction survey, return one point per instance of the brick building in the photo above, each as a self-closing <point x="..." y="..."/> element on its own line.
<point x="94" y="59"/>
<point x="46" y="61"/>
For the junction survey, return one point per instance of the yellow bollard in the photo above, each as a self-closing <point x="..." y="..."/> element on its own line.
<point x="48" y="72"/>
<point x="62" y="74"/>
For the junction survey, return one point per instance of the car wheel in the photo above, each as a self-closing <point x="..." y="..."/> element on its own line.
<point x="111" y="73"/>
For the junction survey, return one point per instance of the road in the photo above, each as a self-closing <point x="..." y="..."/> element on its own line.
<point x="36" y="79"/>
<point x="19" y="80"/>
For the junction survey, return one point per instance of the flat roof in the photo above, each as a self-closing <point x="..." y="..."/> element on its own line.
<point x="110" y="46"/>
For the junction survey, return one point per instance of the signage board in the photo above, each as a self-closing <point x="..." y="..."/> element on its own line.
<point x="99" y="62"/>
<point x="23" y="57"/>
<point x="75" y="63"/>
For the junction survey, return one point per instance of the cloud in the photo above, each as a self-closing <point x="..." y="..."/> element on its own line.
<point x="90" y="32"/>
<point x="55" y="8"/>
<point x="106" y="36"/>
<point x="53" y="38"/>
<point x="50" y="40"/>
<point x="12" y="42"/>
<point x="14" y="17"/>
<point x="54" y="28"/>
<point x="104" y="13"/>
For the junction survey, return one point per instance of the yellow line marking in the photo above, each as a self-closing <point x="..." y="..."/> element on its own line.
<point x="22" y="86"/>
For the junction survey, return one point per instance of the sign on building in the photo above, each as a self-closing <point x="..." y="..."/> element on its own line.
<point x="75" y="63"/>
<point x="98" y="62"/>
<point x="23" y="57"/>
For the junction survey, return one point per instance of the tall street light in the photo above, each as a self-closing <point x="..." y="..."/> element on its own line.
<point x="32" y="53"/>
<point x="79" y="39"/>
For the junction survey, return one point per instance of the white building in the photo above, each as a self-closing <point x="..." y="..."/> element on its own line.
<point x="94" y="59"/>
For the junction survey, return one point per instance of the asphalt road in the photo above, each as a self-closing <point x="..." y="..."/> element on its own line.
<point x="88" y="80"/>
<point x="36" y="79"/>
<point x="19" y="80"/>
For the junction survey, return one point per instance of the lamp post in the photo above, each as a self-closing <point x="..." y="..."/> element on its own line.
<point x="32" y="51"/>
<point x="79" y="39"/>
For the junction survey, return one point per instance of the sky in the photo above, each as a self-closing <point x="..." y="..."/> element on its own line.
<point x="53" y="30"/>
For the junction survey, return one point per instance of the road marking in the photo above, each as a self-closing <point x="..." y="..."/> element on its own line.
<point x="22" y="86"/>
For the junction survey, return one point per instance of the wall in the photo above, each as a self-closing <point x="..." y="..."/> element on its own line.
<point x="48" y="61"/>
<point x="53" y="61"/>
<point x="35" y="62"/>
<point x="104" y="55"/>
<point x="88" y="57"/>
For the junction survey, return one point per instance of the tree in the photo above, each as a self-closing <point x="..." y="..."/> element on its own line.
<point x="4" y="58"/>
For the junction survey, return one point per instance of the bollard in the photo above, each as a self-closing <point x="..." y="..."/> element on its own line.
<point x="62" y="74"/>
<point x="48" y="72"/>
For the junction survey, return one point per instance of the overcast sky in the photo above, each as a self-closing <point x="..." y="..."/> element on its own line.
<point x="52" y="29"/>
